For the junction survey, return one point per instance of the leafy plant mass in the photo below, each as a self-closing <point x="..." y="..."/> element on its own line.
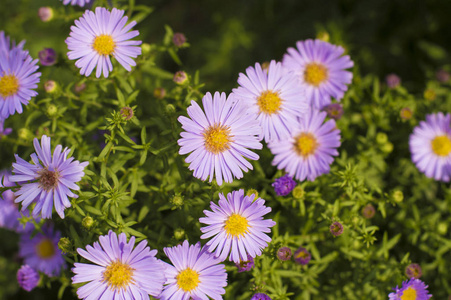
<point x="124" y="176"/>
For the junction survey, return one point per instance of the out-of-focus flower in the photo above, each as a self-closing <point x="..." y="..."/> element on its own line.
<point x="127" y="113"/>
<point x="4" y="131"/>
<point x="180" y="77"/>
<point x="49" y="180"/>
<point x="47" y="57"/>
<point x="430" y="145"/>
<point x="50" y="86"/>
<point x="414" y="271"/>
<point x="98" y="35"/>
<point x="179" y="39"/>
<point x="159" y="93"/>
<point x="237" y="226"/>
<point x="275" y="99"/>
<point x="120" y="270"/>
<point x="80" y="3"/>
<point x="195" y="274"/>
<point x="284" y="253"/>
<point x="442" y="75"/>
<point x="336" y="228"/>
<point x="284" y="185"/>
<point x="309" y="152"/>
<point x="219" y="142"/>
<point x="321" y="70"/>
<point x="45" y="13"/>
<point x="260" y="296"/>
<point x="41" y="252"/>
<point x="392" y="80"/>
<point x="302" y="256"/>
<point x="406" y="113"/>
<point x="368" y="211"/>
<point x="430" y="94"/>
<point x="334" y="110"/>
<point x="27" y="278"/>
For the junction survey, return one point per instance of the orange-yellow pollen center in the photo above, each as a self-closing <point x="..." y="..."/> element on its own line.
<point x="118" y="275"/>
<point x="188" y="280"/>
<point x="45" y="248"/>
<point x="104" y="44"/>
<point x="305" y="144"/>
<point x="217" y="138"/>
<point x="441" y="145"/>
<point x="236" y="225"/>
<point x="315" y="74"/>
<point x="269" y="102"/>
<point x="9" y="85"/>
<point x="409" y="294"/>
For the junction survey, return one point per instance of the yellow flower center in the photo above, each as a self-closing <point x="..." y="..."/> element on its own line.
<point x="315" y="74"/>
<point x="302" y="254"/>
<point x="305" y="144"/>
<point x="118" y="275"/>
<point x="441" y="145"/>
<point x="236" y="225"/>
<point x="217" y="138"/>
<point x="9" y="85"/>
<point x="45" y="248"/>
<point x="188" y="280"/>
<point x="269" y="102"/>
<point x="104" y="44"/>
<point x="409" y="294"/>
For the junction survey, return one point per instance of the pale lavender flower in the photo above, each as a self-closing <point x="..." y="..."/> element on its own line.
<point x="195" y="274"/>
<point x="237" y="226"/>
<point x="27" y="278"/>
<point x="414" y="289"/>
<point x="274" y="97"/>
<point x="430" y="145"/>
<point x="120" y="270"/>
<point x="98" y="35"/>
<point x="219" y="139"/>
<point x="321" y="70"/>
<point x="310" y="151"/>
<point x="41" y="252"/>
<point x="80" y="3"/>
<point x="49" y="180"/>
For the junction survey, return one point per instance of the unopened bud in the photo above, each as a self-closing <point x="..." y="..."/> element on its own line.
<point x="180" y="77"/>
<point x="65" y="245"/>
<point x="52" y="110"/>
<point x="50" y="86"/>
<point x="406" y="113"/>
<point x="323" y="35"/>
<point x="45" y="13"/>
<point x="252" y="192"/>
<point x="179" y="234"/>
<point x="430" y="95"/>
<point x="145" y="48"/>
<point x="298" y="192"/>
<point x="179" y="39"/>
<point x="398" y="196"/>
<point x="159" y="93"/>
<point x="87" y="222"/>
<point x="126" y="113"/>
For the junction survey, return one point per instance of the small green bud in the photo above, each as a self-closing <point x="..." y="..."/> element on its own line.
<point x="25" y="134"/>
<point x="52" y="110"/>
<point x="442" y="228"/>
<point x="387" y="147"/>
<point x="398" y="196"/>
<point x="87" y="222"/>
<point x="65" y="245"/>
<point x="159" y="93"/>
<point x="179" y="234"/>
<point x="177" y="200"/>
<point x="170" y="109"/>
<point x="323" y="35"/>
<point x="430" y="95"/>
<point x="298" y="192"/>
<point x="145" y="47"/>
<point x="381" y="138"/>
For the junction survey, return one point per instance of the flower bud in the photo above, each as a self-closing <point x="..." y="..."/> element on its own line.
<point x="406" y="113"/>
<point x="430" y="95"/>
<point x="126" y="113"/>
<point x="177" y="200"/>
<point x="298" y="192"/>
<point x="381" y="138"/>
<point x="79" y="87"/>
<point x="368" y="211"/>
<point x="179" y="39"/>
<point x="398" y="196"/>
<point x="65" y="245"/>
<point x="45" y="13"/>
<point x="170" y="109"/>
<point x="393" y="81"/>
<point x="334" y="111"/>
<point x="145" y="48"/>
<point x="50" y="86"/>
<point x="284" y="253"/>
<point x="302" y="256"/>
<point x="159" y="93"/>
<point x="442" y="76"/>
<point x="387" y="147"/>
<point x="323" y="35"/>
<point x="180" y="77"/>
<point x="87" y="222"/>
<point x="52" y="110"/>
<point x="179" y="234"/>
<point x="47" y="57"/>
<point x="336" y="228"/>
<point x="25" y="134"/>
<point x="414" y="271"/>
<point x="252" y="191"/>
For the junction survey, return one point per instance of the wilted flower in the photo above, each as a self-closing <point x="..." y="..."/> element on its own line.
<point x="302" y="256"/>
<point x="393" y="80"/>
<point x="334" y="110"/>
<point x="27" y="278"/>
<point x="284" y="185"/>
<point x="368" y="211"/>
<point x="179" y="39"/>
<point x="245" y="265"/>
<point x="47" y="57"/>
<point x="414" y="271"/>
<point x="413" y="289"/>
<point x="284" y="253"/>
<point x="336" y="228"/>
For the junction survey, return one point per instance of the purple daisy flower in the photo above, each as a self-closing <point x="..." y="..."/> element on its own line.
<point x="284" y="185"/>
<point x="48" y="180"/>
<point x="414" y="289"/>
<point x="260" y="296"/>
<point x="4" y="131"/>
<point x="274" y="97"/>
<point x="18" y="78"/>
<point x="302" y="256"/>
<point x="196" y="274"/>
<point x="430" y="145"/>
<point x="80" y="3"/>
<point x="98" y="35"/>
<point x="237" y="226"/>
<point x="9" y="212"/>
<point x="245" y="265"/>
<point x="320" y="69"/>
<point x="121" y="271"/>
<point x="27" y="278"/>
<point x="219" y="139"/>
<point x="41" y="251"/>
<point x="309" y="152"/>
